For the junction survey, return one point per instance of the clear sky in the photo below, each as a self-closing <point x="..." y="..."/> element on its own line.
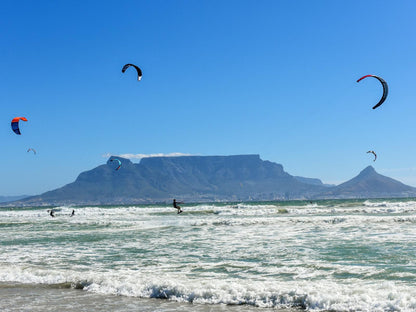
<point x="220" y="77"/>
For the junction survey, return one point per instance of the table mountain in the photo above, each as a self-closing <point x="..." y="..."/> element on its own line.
<point x="189" y="178"/>
<point x="207" y="178"/>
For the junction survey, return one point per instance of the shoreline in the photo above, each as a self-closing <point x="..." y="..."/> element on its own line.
<point x="43" y="298"/>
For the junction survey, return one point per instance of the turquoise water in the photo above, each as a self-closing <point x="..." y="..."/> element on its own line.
<point x="340" y="255"/>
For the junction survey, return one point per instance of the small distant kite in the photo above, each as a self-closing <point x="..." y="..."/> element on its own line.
<point x="119" y="162"/>
<point x="15" y="124"/>
<point x="139" y="71"/>
<point x="385" y="88"/>
<point x="32" y="149"/>
<point x="374" y="153"/>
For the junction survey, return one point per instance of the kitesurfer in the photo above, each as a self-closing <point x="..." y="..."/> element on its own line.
<point x="73" y="213"/>
<point x="52" y="213"/>
<point x="175" y="205"/>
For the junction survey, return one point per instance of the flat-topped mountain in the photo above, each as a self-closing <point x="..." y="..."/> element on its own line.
<point x="190" y="178"/>
<point x="207" y="178"/>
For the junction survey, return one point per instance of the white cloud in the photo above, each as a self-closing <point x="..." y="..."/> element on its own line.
<point x="140" y="156"/>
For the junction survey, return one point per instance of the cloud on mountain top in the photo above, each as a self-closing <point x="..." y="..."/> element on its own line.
<point x="140" y="156"/>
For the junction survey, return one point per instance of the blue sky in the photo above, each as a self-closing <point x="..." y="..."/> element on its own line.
<point x="274" y="78"/>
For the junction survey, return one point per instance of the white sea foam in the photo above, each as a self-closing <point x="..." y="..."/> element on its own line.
<point x="314" y="295"/>
<point x="344" y="256"/>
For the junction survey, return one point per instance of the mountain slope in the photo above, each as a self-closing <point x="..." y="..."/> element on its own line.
<point x="191" y="178"/>
<point x="369" y="184"/>
<point x="4" y="199"/>
<point x="207" y="178"/>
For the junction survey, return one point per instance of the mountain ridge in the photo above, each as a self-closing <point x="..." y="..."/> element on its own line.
<point x="207" y="178"/>
<point x="369" y="184"/>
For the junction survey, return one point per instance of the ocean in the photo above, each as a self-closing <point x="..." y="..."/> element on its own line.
<point x="330" y="255"/>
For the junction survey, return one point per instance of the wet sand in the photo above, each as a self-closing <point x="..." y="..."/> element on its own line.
<point x="45" y="299"/>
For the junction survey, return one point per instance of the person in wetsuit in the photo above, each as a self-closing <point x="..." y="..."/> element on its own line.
<point x="52" y="213"/>
<point x="73" y="213"/>
<point x="175" y="205"/>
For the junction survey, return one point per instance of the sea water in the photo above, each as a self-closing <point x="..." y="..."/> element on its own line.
<point x="335" y="255"/>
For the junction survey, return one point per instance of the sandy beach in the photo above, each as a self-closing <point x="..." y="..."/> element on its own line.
<point x="44" y="299"/>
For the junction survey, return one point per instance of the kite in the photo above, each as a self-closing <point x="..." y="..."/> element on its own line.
<point x="139" y="71"/>
<point x="119" y="162"/>
<point x="374" y="153"/>
<point x="31" y="149"/>
<point x="15" y="124"/>
<point x="385" y="89"/>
